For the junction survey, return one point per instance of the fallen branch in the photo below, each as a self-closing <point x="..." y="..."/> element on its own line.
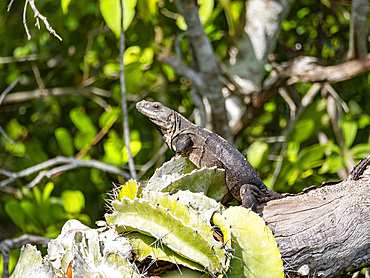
<point x="324" y="232"/>
<point x="71" y="163"/>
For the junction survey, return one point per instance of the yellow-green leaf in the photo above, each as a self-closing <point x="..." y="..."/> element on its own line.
<point x="349" y="132"/>
<point x="256" y="153"/>
<point x="111" y="12"/>
<point x="205" y="9"/>
<point x="65" y="141"/>
<point x="129" y="190"/>
<point x="65" y="4"/>
<point x="73" y="201"/>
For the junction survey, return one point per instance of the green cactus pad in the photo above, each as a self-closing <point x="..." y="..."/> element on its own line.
<point x="180" y="174"/>
<point x="147" y="246"/>
<point x="174" y="224"/>
<point x="256" y="253"/>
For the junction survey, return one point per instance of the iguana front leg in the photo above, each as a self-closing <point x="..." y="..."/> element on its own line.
<point x="249" y="194"/>
<point x="184" y="145"/>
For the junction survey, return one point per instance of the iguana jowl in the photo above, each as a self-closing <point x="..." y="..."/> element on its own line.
<point x="206" y="149"/>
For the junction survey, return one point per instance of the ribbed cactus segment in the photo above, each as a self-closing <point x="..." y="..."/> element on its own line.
<point x="89" y="252"/>
<point x="199" y="203"/>
<point x="147" y="246"/>
<point x="174" y="224"/>
<point x="256" y="253"/>
<point x="180" y="174"/>
<point x="168" y="172"/>
<point x="219" y="221"/>
<point x="129" y="190"/>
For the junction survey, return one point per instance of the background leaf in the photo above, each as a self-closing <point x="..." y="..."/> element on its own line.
<point x="110" y="10"/>
<point x="73" y="201"/>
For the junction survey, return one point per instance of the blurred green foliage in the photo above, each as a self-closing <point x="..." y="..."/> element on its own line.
<point x="44" y="126"/>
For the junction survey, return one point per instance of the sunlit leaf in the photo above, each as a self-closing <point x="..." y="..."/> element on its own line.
<point x="363" y="121"/>
<point x="135" y="147"/>
<point x="256" y="152"/>
<point x="73" y="201"/>
<point x="65" y="141"/>
<point x="48" y="188"/>
<point x="17" y="150"/>
<point x="205" y="9"/>
<point x="147" y="56"/>
<point x="37" y="196"/>
<point x="303" y="12"/>
<point x="15" y="130"/>
<point x="112" y="149"/>
<point x="15" y="212"/>
<point x="108" y="118"/>
<point x="148" y="8"/>
<point x="65" y="4"/>
<point x="180" y="22"/>
<point x="311" y="156"/>
<point x="32" y="212"/>
<point x="111" y="12"/>
<point x="331" y="164"/>
<point x="81" y="120"/>
<point x="132" y="54"/>
<point x="360" y="150"/>
<point x="349" y="132"/>
<point x="83" y="139"/>
<point x="111" y="69"/>
<point x="303" y="130"/>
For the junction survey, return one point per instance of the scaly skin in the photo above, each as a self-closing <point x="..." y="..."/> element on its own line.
<point x="206" y="149"/>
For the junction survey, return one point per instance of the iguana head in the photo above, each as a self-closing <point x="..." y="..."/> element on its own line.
<point x="164" y="118"/>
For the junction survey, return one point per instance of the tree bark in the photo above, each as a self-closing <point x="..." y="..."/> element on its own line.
<point x="358" y="30"/>
<point x="256" y="40"/>
<point x="324" y="232"/>
<point x="206" y="76"/>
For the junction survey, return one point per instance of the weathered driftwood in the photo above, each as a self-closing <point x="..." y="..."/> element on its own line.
<point x="324" y="232"/>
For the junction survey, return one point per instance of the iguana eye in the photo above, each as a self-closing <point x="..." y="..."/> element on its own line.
<point x="156" y="105"/>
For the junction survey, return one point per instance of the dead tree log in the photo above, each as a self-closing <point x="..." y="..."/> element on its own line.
<point x="324" y="232"/>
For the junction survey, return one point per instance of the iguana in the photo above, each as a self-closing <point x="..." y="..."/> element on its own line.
<point x="207" y="149"/>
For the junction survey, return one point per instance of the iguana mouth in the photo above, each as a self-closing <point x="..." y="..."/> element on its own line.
<point x="148" y="109"/>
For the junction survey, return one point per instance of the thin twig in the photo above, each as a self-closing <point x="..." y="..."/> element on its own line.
<point x="35" y="94"/>
<point x="335" y="95"/>
<point x="25" y="20"/>
<point x="126" y="129"/>
<point x="38" y="16"/>
<point x="289" y="128"/>
<point x="71" y="164"/>
<point x="151" y="162"/>
<point x="8" y="89"/>
<point x="31" y="57"/>
<point x="11" y="141"/>
<point x="294" y="115"/>
<point x="38" y="78"/>
<point x="10" y="5"/>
